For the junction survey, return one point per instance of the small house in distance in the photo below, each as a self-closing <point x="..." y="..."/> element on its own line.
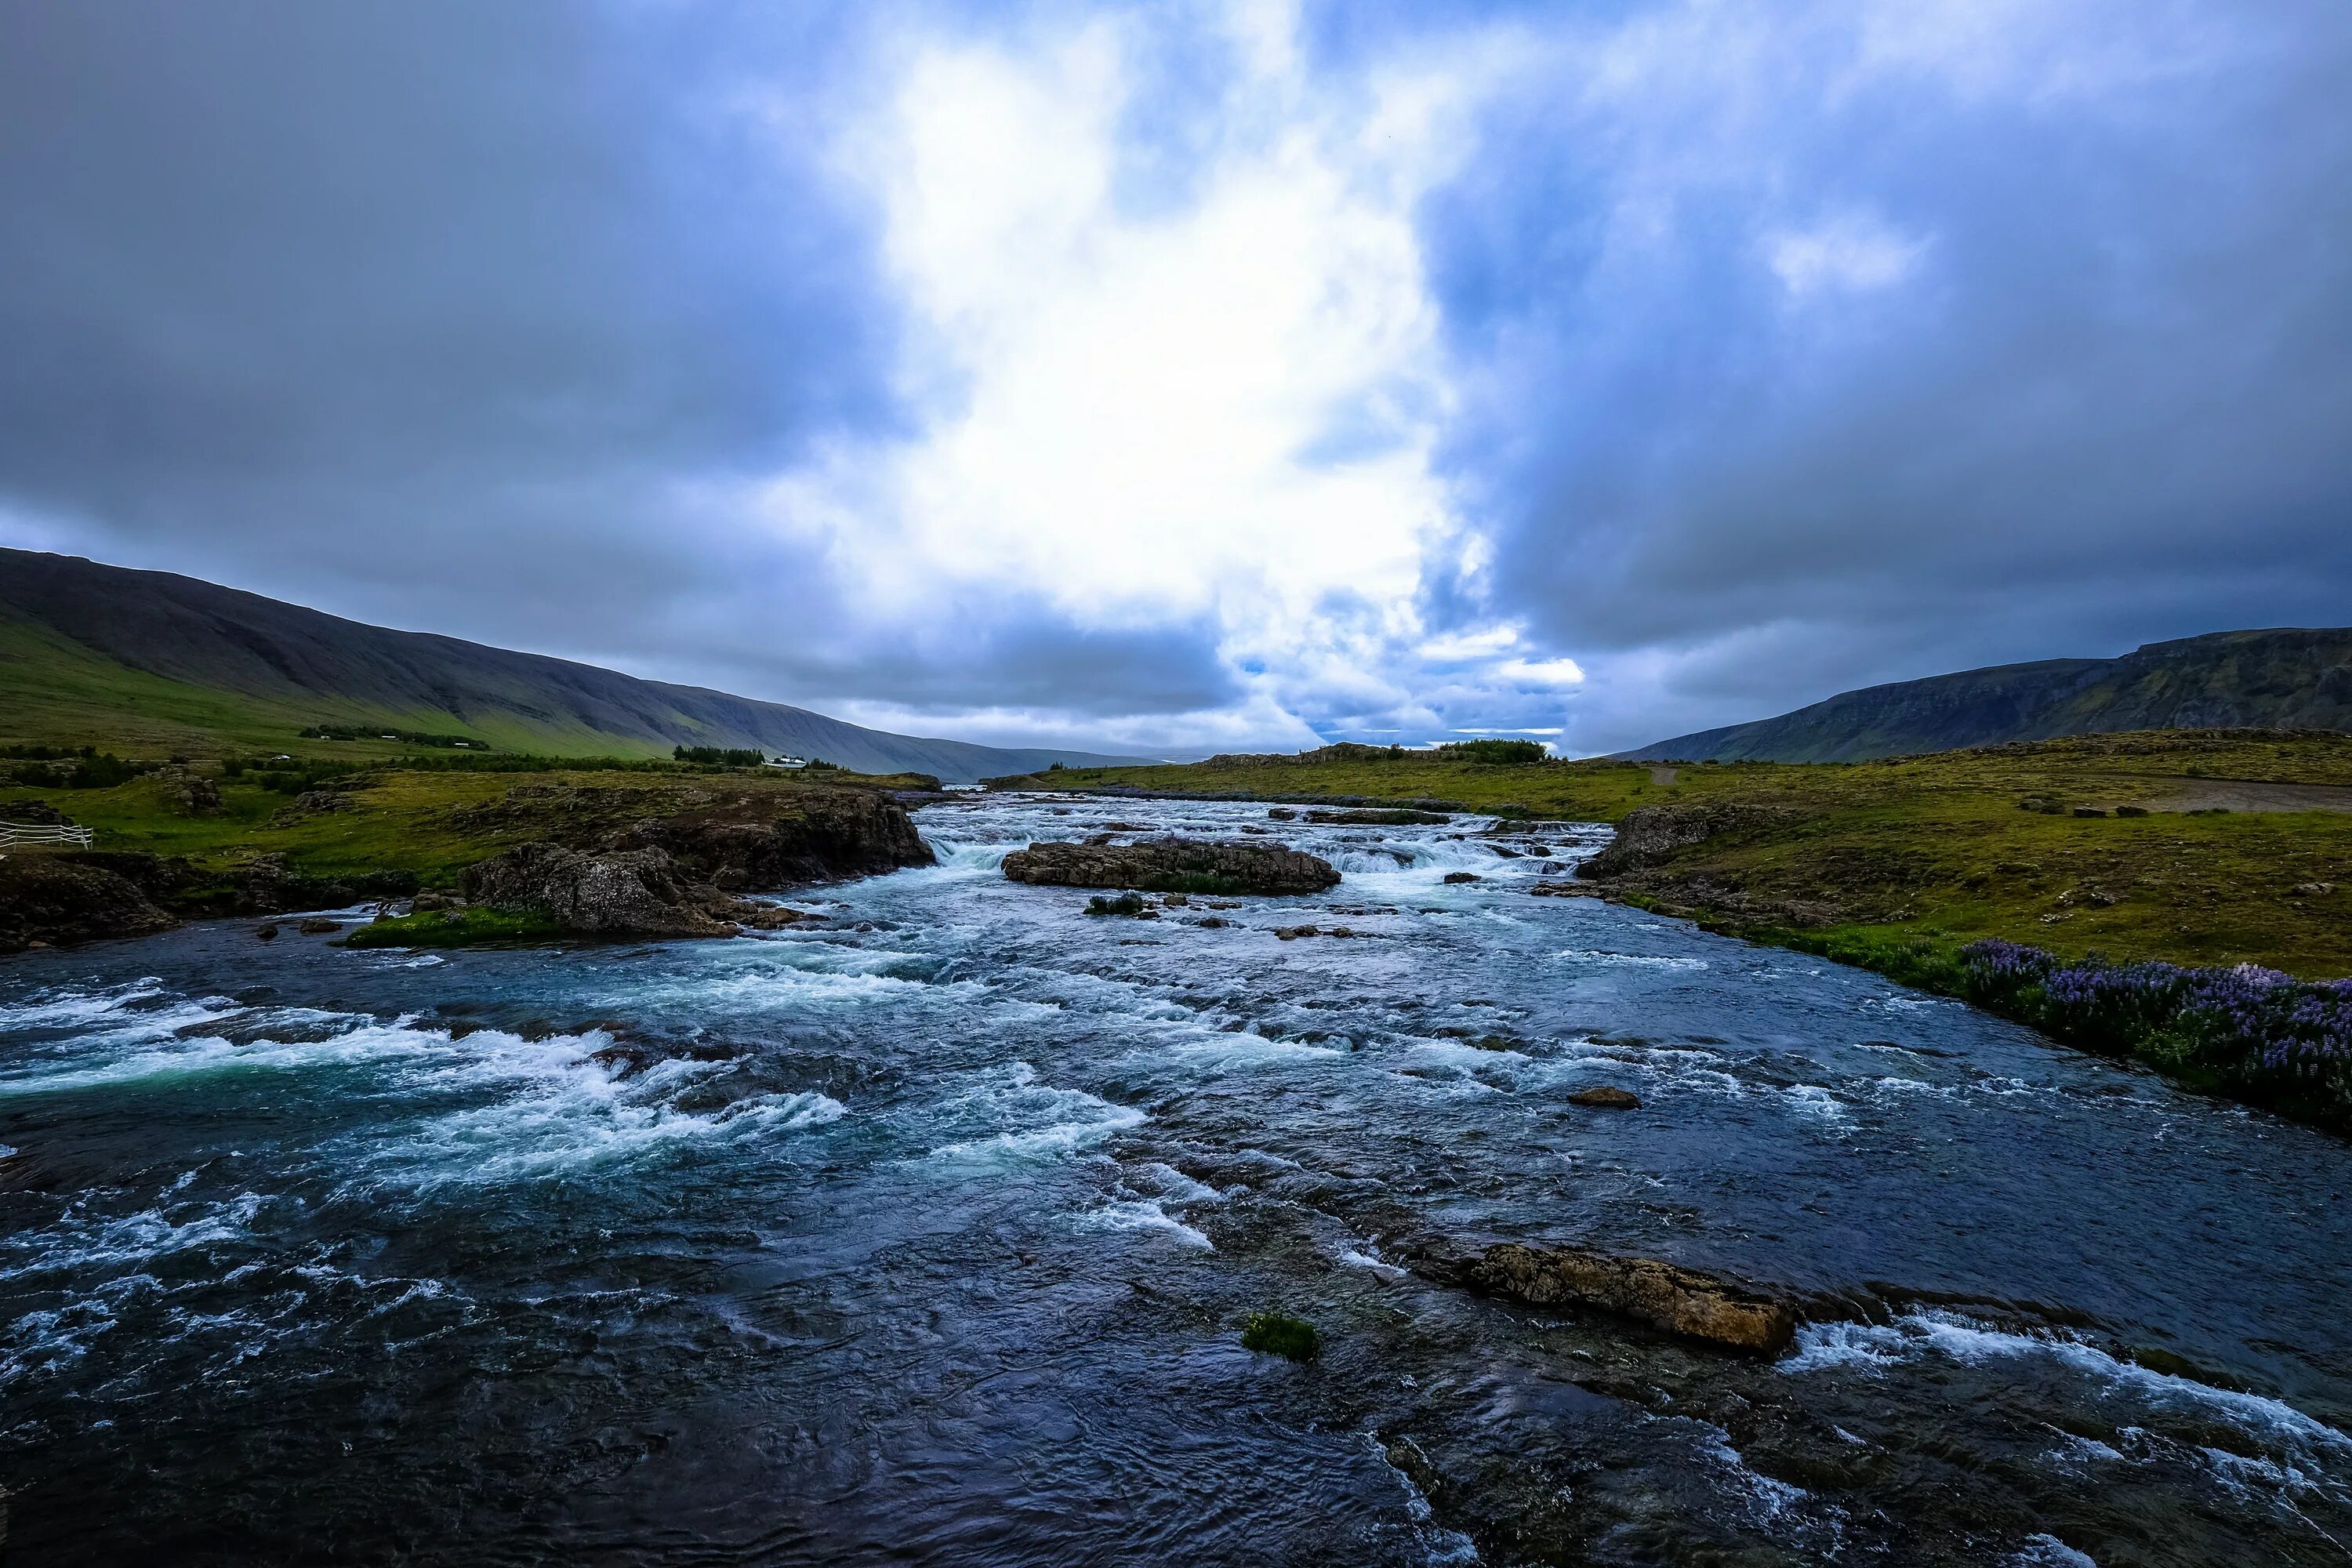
<point x="788" y="761"/>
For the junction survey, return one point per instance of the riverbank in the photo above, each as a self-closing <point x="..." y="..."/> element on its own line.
<point x="181" y="843"/>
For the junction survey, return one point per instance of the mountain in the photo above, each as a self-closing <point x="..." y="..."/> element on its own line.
<point x="102" y="654"/>
<point x="2288" y="678"/>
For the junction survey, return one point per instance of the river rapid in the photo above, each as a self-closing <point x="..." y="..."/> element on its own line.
<point x="927" y="1233"/>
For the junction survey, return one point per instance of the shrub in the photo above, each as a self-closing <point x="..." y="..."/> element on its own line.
<point x="1503" y="752"/>
<point x="722" y="757"/>
<point x="1271" y="1333"/>
<point x="2248" y="1031"/>
<point x="1124" y="904"/>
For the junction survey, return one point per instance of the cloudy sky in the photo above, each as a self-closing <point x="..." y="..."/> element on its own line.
<point x="1175" y="378"/>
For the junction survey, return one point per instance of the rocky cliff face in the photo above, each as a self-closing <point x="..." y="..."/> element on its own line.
<point x="1180" y="865"/>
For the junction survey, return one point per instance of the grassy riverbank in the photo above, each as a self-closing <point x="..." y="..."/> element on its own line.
<point x="2233" y="846"/>
<point x="420" y="820"/>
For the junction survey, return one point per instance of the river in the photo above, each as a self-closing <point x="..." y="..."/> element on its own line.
<point x="926" y="1234"/>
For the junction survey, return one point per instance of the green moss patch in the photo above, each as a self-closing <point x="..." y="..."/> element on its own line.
<point x="457" y="928"/>
<point x="1271" y="1333"/>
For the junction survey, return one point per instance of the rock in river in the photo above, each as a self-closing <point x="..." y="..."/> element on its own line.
<point x="1606" y="1097"/>
<point x="1172" y="865"/>
<point x="631" y="893"/>
<point x="1680" y="1300"/>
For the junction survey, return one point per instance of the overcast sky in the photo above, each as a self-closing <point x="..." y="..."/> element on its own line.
<point x="1178" y="378"/>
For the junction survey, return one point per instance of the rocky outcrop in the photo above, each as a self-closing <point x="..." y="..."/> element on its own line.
<point x="634" y="892"/>
<point x="1649" y="837"/>
<point x="49" y="900"/>
<point x="1177" y="865"/>
<point x="758" y="844"/>
<point x="1681" y="1301"/>
<point x="1379" y="817"/>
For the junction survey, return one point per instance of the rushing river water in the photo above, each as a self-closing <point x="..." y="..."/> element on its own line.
<point x="927" y="1235"/>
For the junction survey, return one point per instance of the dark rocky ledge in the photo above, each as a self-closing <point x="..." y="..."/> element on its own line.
<point x="1173" y="864"/>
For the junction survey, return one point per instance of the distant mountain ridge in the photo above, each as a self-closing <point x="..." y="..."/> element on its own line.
<point x="2284" y="678"/>
<point x="76" y="637"/>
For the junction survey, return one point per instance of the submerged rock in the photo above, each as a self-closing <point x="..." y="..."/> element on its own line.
<point x="1172" y="865"/>
<point x="1606" y="1097"/>
<point x="1683" y="1301"/>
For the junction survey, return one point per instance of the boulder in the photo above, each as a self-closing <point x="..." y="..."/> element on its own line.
<point x="1683" y="1301"/>
<point x="1654" y="833"/>
<point x="634" y="892"/>
<point x="319" y="926"/>
<point x="1379" y="817"/>
<point x="758" y="843"/>
<point x="47" y="898"/>
<point x="1606" y="1097"/>
<point x="1454" y="878"/>
<point x="1172" y="865"/>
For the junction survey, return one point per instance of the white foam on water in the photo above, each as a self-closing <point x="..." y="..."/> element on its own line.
<point x="59" y="1008"/>
<point x="1143" y="1214"/>
<point x="2048" y="1552"/>
<point x="1628" y="960"/>
<point x="1046" y="1122"/>
<point x="558" y="1109"/>
<point x="1205" y="1045"/>
<point x="1870" y="1348"/>
<point x="201" y="1056"/>
<point x="1355" y="1258"/>
<point x="1176" y="1186"/>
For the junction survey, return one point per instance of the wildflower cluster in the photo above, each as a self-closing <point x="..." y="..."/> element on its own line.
<point x="2246" y="1030"/>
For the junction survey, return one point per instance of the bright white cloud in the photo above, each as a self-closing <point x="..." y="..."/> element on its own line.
<point x="1140" y="414"/>
<point x="1851" y="254"/>
<point x="1560" y="672"/>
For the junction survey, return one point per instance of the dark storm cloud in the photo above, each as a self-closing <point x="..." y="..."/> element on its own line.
<point x="2066" y="364"/>
<point x="1782" y="352"/>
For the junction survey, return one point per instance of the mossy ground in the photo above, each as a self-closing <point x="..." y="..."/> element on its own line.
<point x="431" y="823"/>
<point x="457" y="928"/>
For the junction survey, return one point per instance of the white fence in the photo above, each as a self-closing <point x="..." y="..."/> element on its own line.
<point x="16" y="833"/>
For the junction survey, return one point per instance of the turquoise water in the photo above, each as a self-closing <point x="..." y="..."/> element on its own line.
<point x="927" y="1235"/>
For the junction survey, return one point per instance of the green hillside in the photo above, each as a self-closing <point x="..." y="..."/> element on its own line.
<point x="148" y="663"/>
<point x="2289" y="679"/>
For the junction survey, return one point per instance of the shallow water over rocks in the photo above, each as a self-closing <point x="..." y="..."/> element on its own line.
<point x="927" y="1233"/>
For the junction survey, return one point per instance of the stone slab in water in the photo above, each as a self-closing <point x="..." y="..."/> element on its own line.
<point x="1159" y="862"/>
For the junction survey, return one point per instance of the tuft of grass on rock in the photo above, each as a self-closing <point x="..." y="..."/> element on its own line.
<point x="1130" y="904"/>
<point x="457" y="928"/>
<point x="1271" y="1333"/>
